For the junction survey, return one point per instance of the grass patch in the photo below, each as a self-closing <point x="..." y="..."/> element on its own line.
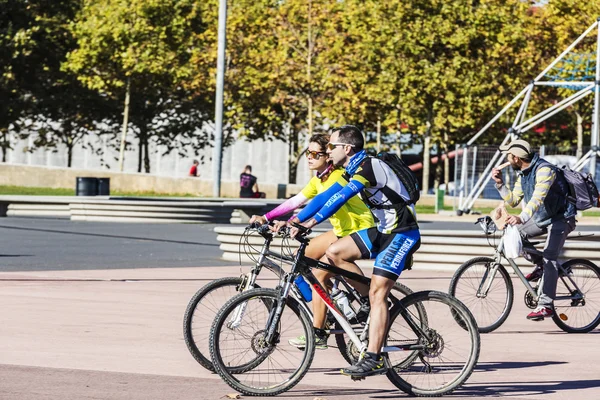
<point x="45" y="191"/>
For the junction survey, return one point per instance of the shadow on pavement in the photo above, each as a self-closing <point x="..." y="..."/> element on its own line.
<point x="109" y="236"/>
<point x="533" y="388"/>
<point x="337" y="392"/>
<point x="495" y="366"/>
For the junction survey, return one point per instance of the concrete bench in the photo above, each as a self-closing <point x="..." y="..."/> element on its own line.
<point x="440" y="249"/>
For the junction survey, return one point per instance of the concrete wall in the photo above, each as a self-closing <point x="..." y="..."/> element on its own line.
<point x="54" y="177"/>
<point x="269" y="159"/>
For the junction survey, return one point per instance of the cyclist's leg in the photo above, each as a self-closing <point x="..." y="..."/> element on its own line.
<point x="530" y="230"/>
<point x="391" y="251"/>
<point x="396" y="249"/>
<point x="316" y="249"/>
<point x="343" y="253"/>
<point x="557" y="234"/>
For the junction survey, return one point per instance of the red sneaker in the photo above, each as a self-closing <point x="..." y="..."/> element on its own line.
<point x="536" y="274"/>
<point x="540" y="313"/>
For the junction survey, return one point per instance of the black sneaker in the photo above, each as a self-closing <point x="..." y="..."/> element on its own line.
<point x="536" y="274"/>
<point x="366" y="366"/>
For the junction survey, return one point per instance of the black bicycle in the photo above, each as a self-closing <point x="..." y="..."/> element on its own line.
<point x="426" y="351"/>
<point x="208" y="300"/>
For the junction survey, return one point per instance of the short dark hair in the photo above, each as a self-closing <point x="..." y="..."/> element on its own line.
<point x="350" y="134"/>
<point x="528" y="158"/>
<point x="248" y="167"/>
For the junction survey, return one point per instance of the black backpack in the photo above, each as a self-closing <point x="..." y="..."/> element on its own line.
<point x="582" y="189"/>
<point x="404" y="174"/>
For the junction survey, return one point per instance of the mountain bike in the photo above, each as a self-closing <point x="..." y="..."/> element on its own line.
<point x="208" y="300"/>
<point x="484" y="285"/>
<point x="426" y="352"/>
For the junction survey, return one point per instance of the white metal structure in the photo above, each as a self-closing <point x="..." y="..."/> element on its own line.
<point x="520" y="125"/>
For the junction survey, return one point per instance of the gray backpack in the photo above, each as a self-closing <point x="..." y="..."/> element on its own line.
<point x="583" y="192"/>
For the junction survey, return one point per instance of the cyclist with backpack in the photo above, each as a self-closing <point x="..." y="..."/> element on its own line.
<point x="392" y="242"/>
<point x="353" y="217"/>
<point x="544" y="190"/>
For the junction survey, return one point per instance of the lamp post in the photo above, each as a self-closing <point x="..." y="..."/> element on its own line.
<point x="217" y="150"/>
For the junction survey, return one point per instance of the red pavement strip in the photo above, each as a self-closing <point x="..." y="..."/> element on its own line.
<point x="117" y="334"/>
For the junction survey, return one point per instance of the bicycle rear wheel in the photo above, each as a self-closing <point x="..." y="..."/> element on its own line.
<point x="242" y="357"/>
<point x="448" y="344"/>
<point x="345" y="345"/>
<point x="201" y="312"/>
<point x="490" y="311"/>
<point x="578" y="315"/>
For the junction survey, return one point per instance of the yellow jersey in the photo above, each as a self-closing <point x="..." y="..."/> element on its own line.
<point x="354" y="214"/>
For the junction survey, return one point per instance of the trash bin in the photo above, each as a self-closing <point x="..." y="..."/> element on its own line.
<point x="103" y="186"/>
<point x="439" y="200"/>
<point x="281" y="190"/>
<point x="86" y="186"/>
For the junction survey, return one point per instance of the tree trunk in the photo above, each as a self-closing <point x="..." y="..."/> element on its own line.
<point x="146" y="155"/>
<point x="426" y="162"/>
<point x="579" y="153"/>
<point x="309" y="46"/>
<point x="124" y="130"/>
<point x="437" y="175"/>
<point x="293" y="148"/>
<point x="4" y="146"/>
<point x="446" y="161"/>
<point x="378" y="134"/>
<point x="140" y="152"/>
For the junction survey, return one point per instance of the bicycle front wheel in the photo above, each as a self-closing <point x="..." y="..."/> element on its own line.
<point x="490" y="303"/>
<point x="243" y="357"/>
<point x="577" y="304"/>
<point x="447" y="344"/>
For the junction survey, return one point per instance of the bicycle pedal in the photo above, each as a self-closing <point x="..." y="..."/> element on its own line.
<point x="357" y="378"/>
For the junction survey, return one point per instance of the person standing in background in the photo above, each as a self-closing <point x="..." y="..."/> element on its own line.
<point x="194" y="168"/>
<point x="248" y="185"/>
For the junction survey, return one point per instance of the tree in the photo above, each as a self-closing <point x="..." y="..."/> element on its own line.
<point x="139" y="49"/>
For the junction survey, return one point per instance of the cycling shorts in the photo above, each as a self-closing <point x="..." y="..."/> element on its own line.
<point x="390" y="251"/>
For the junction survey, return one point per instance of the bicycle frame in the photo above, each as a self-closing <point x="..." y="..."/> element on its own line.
<point x="499" y="255"/>
<point x="302" y="266"/>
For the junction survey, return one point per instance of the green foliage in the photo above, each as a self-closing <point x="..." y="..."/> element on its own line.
<point x="430" y="67"/>
<point x="150" y="44"/>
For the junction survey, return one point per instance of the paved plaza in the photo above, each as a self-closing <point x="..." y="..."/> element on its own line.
<point x="116" y="332"/>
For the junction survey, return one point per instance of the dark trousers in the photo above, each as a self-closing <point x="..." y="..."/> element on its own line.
<point x="557" y="234"/>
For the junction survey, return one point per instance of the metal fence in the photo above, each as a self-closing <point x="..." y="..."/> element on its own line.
<point x="478" y="158"/>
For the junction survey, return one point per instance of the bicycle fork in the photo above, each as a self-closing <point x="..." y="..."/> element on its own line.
<point x="487" y="280"/>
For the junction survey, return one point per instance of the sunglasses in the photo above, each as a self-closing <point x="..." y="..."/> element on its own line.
<point x="332" y="146"/>
<point x="316" y="155"/>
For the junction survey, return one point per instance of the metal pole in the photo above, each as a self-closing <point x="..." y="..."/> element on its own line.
<point x="541" y="117"/>
<point x="484" y="177"/>
<point x="509" y="105"/>
<point x="596" y="116"/>
<point x="549" y="67"/>
<point x="463" y="176"/>
<point x="523" y="108"/>
<point x="456" y="147"/>
<point x="474" y="167"/>
<point x="564" y="103"/>
<point x="217" y="149"/>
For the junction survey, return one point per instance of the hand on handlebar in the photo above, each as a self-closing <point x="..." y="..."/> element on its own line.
<point x="514" y="220"/>
<point x="278" y="226"/>
<point x="301" y="229"/>
<point x="259" y="219"/>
